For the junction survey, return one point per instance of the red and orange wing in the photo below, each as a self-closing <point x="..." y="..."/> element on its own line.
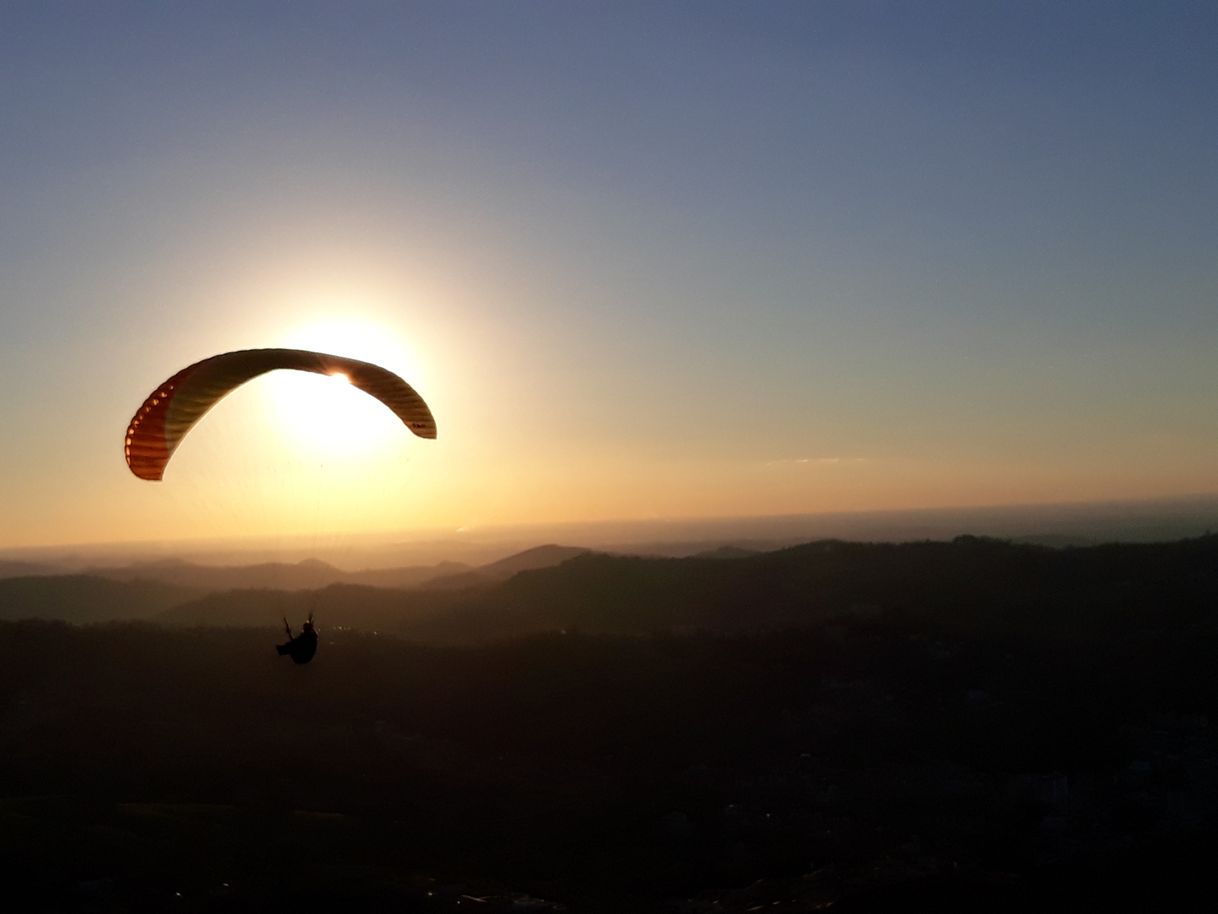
<point x="171" y="410"/>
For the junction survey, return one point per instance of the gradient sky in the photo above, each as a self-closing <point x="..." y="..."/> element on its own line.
<point x="643" y="260"/>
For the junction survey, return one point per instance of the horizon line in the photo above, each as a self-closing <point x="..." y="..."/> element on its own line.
<point x="422" y="535"/>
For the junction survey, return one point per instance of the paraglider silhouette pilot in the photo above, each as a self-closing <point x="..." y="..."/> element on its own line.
<point x="302" y="647"/>
<point x="181" y="400"/>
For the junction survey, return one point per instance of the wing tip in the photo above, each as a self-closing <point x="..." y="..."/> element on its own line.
<point x="423" y="429"/>
<point x="144" y="470"/>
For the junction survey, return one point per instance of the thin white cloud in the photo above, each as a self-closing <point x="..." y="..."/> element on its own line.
<point x="813" y="462"/>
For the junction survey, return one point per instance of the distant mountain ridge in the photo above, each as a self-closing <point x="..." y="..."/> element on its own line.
<point x="554" y="588"/>
<point x="313" y="574"/>
<point x="82" y="598"/>
<point x="529" y="560"/>
<point x="963" y="582"/>
<point x="181" y="592"/>
<point x="16" y="569"/>
<point x="303" y="575"/>
<point x="960" y="582"/>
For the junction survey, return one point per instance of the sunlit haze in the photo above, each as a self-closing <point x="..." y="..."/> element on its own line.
<point x="643" y="261"/>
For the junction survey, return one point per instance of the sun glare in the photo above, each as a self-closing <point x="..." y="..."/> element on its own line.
<point x="324" y="417"/>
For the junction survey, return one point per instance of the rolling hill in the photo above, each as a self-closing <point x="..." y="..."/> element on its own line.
<point x="309" y="574"/>
<point x="83" y="598"/>
<point x="968" y="582"/>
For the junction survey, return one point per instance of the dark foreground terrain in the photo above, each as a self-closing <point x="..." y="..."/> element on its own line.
<point x="1047" y="752"/>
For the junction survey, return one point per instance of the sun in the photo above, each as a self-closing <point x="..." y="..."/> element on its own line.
<point x="323" y="418"/>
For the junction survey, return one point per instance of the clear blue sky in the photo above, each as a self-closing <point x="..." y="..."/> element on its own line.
<point x="661" y="259"/>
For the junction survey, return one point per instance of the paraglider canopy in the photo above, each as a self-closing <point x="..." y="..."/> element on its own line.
<point x="173" y="408"/>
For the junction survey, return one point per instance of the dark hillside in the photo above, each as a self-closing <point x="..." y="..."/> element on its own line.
<point x="871" y="764"/>
<point x="339" y="605"/>
<point x="966" y="583"/>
